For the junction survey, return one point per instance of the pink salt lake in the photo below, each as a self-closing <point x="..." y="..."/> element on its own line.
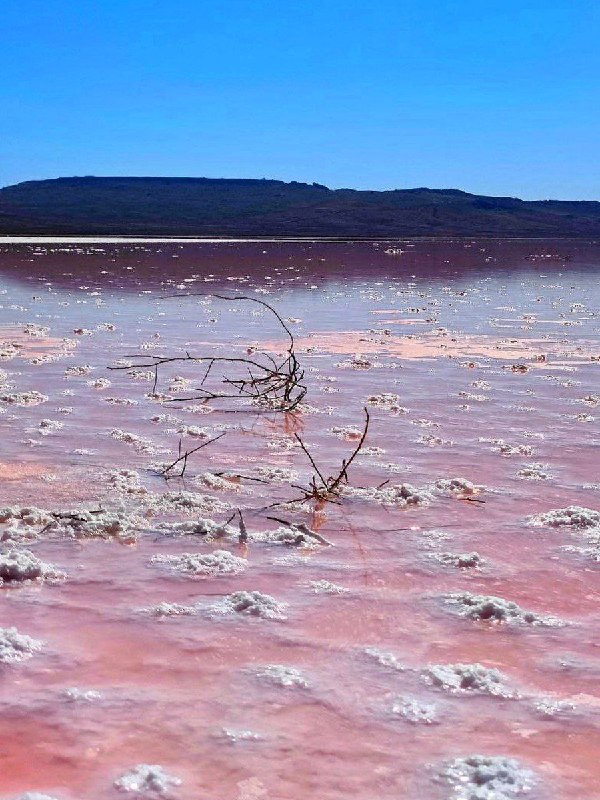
<point x="483" y="342"/>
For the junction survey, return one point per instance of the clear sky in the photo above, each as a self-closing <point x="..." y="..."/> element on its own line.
<point x="491" y="96"/>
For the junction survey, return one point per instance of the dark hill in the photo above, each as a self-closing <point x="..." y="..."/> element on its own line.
<point x="231" y="207"/>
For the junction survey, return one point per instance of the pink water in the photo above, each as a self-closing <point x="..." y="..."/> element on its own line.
<point x="437" y="320"/>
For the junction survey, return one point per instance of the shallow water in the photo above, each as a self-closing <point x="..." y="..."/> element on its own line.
<point x="491" y="347"/>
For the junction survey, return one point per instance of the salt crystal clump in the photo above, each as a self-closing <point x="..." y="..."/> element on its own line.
<point x="34" y="796"/>
<point x="461" y="560"/>
<point x="103" y="523"/>
<point x="398" y="495"/>
<point x="170" y="610"/>
<point x="194" y="431"/>
<point x="221" y="562"/>
<point x="147" y="778"/>
<point x="387" y="401"/>
<point x="286" y="535"/>
<point x="533" y="472"/>
<point x="515" y="449"/>
<point x="27" y="515"/>
<point x="31" y="398"/>
<point x="575" y="516"/>
<point x="455" y="486"/>
<point x="327" y="587"/>
<point x="549" y="707"/>
<point x="83" y="369"/>
<point x="255" y="604"/>
<point x="18" y="566"/>
<point x="468" y="679"/>
<point x="76" y="695"/>
<point x="219" y="483"/>
<point x="347" y="432"/>
<point x="235" y="736"/>
<point x="496" y="609"/>
<point x="99" y="383"/>
<point x="274" y="474"/>
<point x="140" y="443"/>
<point x="190" y="501"/>
<point x="282" y="675"/>
<point x="413" y="710"/>
<point x="48" y="426"/>
<point x="384" y="658"/>
<point x="126" y="481"/>
<point x="207" y="528"/>
<point x="15" y="646"/>
<point x="488" y="778"/>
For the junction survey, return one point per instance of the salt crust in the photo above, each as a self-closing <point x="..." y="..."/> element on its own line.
<point x="76" y="695"/>
<point x="533" y="472"/>
<point x="255" y="604"/>
<point x="235" y="736"/>
<point x="414" y="710"/>
<point x="456" y="486"/>
<point x="282" y="675"/>
<point x="389" y="402"/>
<point x="467" y="679"/>
<point x="19" y="566"/>
<point x="497" y="609"/>
<point x="15" y="646"/>
<point x="575" y="516"/>
<point x="187" y="501"/>
<point x="206" y="528"/>
<point x="220" y="562"/>
<point x="399" y="495"/>
<point x="31" y="398"/>
<point x="327" y="587"/>
<point x="460" y="560"/>
<point x="147" y="778"/>
<point x="34" y="796"/>
<point x="480" y="777"/>
<point x="384" y="658"/>
<point x="164" y="609"/>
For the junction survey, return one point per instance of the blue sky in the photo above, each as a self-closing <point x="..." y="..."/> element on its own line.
<point x="491" y="97"/>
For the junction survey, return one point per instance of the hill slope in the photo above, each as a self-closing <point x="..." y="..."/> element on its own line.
<point x="231" y="207"/>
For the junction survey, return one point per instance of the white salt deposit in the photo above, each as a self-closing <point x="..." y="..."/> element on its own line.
<point x="147" y="778"/>
<point x="575" y="516"/>
<point x="534" y="472"/>
<point x="389" y="402"/>
<point x="275" y="474"/>
<point x="126" y="481"/>
<point x="456" y="486"/>
<point x="19" y="566"/>
<point x="140" y="443"/>
<point x="190" y="501"/>
<point x="170" y="610"/>
<point x="327" y="587"/>
<point x="255" y="604"/>
<point x="414" y="710"/>
<point x="496" y="609"/>
<point x="384" y="658"/>
<point x="220" y="562"/>
<point x="467" y="679"/>
<point x="488" y="778"/>
<point x="15" y="646"/>
<point x="460" y="560"/>
<point x="207" y="528"/>
<point x="31" y="398"/>
<point x="48" y="426"/>
<point x="398" y="495"/>
<point x="282" y="675"/>
<point x="76" y="695"/>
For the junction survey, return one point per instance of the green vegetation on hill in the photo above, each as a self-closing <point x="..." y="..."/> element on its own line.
<point x="255" y="208"/>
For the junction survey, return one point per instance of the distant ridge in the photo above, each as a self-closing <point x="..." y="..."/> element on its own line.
<point x="146" y="206"/>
